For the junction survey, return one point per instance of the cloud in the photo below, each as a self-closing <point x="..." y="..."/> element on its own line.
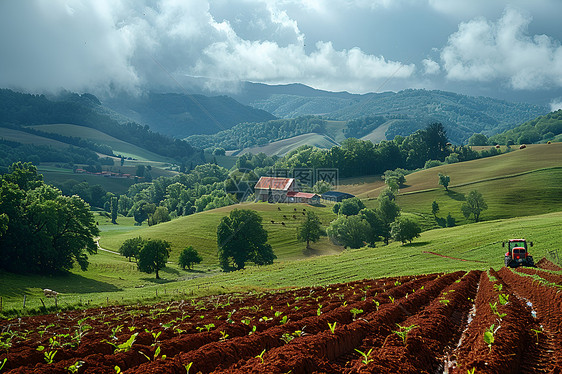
<point x="485" y="51"/>
<point x="431" y="67"/>
<point x="555" y="105"/>
<point x="105" y="46"/>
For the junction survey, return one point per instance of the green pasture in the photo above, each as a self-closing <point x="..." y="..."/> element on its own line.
<point x="200" y="231"/>
<point x="114" y="280"/>
<point x="118" y="146"/>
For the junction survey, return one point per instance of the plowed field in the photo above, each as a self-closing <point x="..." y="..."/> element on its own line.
<point x="507" y="321"/>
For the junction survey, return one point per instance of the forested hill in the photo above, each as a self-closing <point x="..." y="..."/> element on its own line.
<point x="18" y="110"/>
<point x="541" y="129"/>
<point x="462" y="115"/>
<point x="180" y="115"/>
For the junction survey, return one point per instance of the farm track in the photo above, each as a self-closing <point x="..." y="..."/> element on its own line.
<point x="416" y="324"/>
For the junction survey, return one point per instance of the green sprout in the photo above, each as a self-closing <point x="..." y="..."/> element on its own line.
<point x="365" y="356"/>
<point x="404" y="330"/>
<point x="126" y="346"/>
<point x="332" y="327"/>
<point x="355" y="312"/>
<point x="260" y="356"/>
<point x="50" y="356"/>
<point x="489" y="336"/>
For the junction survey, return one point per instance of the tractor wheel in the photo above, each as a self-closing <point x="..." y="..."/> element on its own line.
<point x="507" y="261"/>
<point x="530" y="261"/>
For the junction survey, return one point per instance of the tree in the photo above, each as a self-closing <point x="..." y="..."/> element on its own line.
<point x="404" y="229"/>
<point x="153" y="256"/>
<point x="350" y="207"/>
<point x="388" y="211"/>
<point x="376" y="224"/>
<point x="434" y="208"/>
<point x="321" y="187"/>
<point x="444" y="181"/>
<point x="450" y="221"/>
<point x="189" y="257"/>
<point x="474" y="205"/>
<point x="44" y="231"/>
<point x="242" y="238"/>
<point x="310" y="229"/>
<point x="114" y="209"/>
<point x="352" y="231"/>
<point x="478" y="139"/>
<point x="131" y="247"/>
<point x="160" y="215"/>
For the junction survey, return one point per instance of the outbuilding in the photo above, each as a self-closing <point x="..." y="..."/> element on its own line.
<point x="336" y="196"/>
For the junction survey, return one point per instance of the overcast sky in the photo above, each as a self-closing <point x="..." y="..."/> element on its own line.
<point x="489" y="47"/>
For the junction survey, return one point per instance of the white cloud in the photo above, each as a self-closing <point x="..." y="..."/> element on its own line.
<point x="431" y="67"/>
<point x="484" y="51"/>
<point x="555" y="105"/>
<point x="110" y="45"/>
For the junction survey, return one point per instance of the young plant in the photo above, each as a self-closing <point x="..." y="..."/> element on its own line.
<point x="494" y="308"/>
<point x="209" y="326"/>
<point x="319" y="310"/>
<point x="224" y="336"/>
<point x="503" y="298"/>
<point x="489" y="336"/>
<point x="444" y="301"/>
<point x="284" y="320"/>
<point x="365" y="356"/>
<point x="355" y="312"/>
<point x="286" y="337"/>
<point x="260" y="356"/>
<point x="49" y="356"/>
<point x="377" y="304"/>
<point x="3" y="363"/>
<point x="117" y="369"/>
<point x="126" y="346"/>
<point x="254" y="328"/>
<point x="391" y="299"/>
<point x="187" y="367"/>
<point x="332" y="327"/>
<point x="403" y="333"/>
<point x="537" y="332"/>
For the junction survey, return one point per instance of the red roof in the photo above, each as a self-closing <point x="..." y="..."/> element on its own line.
<point x="282" y="184"/>
<point x="304" y="195"/>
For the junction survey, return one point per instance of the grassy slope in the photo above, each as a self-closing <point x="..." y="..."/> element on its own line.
<point x="26" y="138"/>
<point x="118" y="146"/>
<point x="282" y="147"/>
<point x="199" y="231"/>
<point x="112" y="278"/>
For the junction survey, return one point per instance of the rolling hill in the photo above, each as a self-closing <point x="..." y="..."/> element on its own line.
<point x="282" y="147"/>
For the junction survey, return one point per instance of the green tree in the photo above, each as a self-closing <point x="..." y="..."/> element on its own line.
<point x="434" y="208"/>
<point x="444" y="181"/>
<point x="114" y="209"/>
<point x="131" y="247"/>
<point x="450" y="221"/>
<point x="242" y="238"/>
<point x="388" y="211"/>
<point x="478" y="139"/>
<point x="349" y="231"/>
<point x="474" y="205"/>
<point x="160" y="215"/>
<point x="4" y="220"/>
<point x="153" y="256"/>
<point x="310" y="229"/>
<point x="45" y="232"/>
<point x="189" y="257"/>
<point x="321" y="187"/>
<point x="404" y="229"/>
<point x="351" y="207"/>
<point x="377" y="226"/>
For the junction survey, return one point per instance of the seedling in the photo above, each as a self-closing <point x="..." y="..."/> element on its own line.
<point x="404" y="330"/>
<point x="115" y="330"/>
<point x="471" y="371"/>
<point x="494" y="308"/>
<point x="224" y="336"/>
<point x="366" y="358"/>
<point x="355" y="312"/>
<point x="377" y="304"/>
<point x="50" y="356"/>
<point x="286" y="337"/>
<point x="444" y="301"/>
<point x="187" y="367"/>
<point x="332" y="327"/>
<point x="391" y="299"/>
<point x="209" y="326"/>
<point x="265" y="319"/>
<point x="278" y="313"/>
<point x="260" y="356"/>
<point x="117" y="369"/>
<point x="3" y="363"/>
<point x="498" y="287"/>
<point x="489" y="336"/>
<point x="284" y="320"/>
<point x="253" y="330"/>
<point x="126" y="346"/>
<point x="503" y="298"/>
<point x="319" y="310"/>
<point x="537" y="332"/>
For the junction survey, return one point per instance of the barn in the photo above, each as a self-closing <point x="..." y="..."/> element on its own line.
<point x="336" y="196"/>
<point x="274" y="190"/>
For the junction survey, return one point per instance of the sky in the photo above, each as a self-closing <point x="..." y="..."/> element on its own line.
<point x="506" y="49"/>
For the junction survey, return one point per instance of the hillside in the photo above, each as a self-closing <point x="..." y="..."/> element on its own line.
<point x="541" y="129"/>
<point x="180" y="115"/>
<point x="282" y="147"/>
<point x="414" y="109"/>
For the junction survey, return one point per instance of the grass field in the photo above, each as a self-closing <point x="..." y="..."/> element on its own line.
<point x="118" y="146"/>
<point x="112" y="279"/>
<point x="282" y="147"/>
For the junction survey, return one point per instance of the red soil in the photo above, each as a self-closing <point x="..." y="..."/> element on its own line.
<point x="417" y="324"/>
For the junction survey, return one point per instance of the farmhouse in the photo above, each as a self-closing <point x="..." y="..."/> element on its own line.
<point x="274" y="190"/>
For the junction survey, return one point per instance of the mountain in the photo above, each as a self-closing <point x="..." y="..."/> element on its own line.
<point x="180" y="115"/>
<point x="461" y="115"/>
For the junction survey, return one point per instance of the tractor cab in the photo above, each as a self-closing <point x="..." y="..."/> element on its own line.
<point x="517" y="253"/>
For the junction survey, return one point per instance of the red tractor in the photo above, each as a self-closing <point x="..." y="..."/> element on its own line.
<point x="517" y="254"/>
